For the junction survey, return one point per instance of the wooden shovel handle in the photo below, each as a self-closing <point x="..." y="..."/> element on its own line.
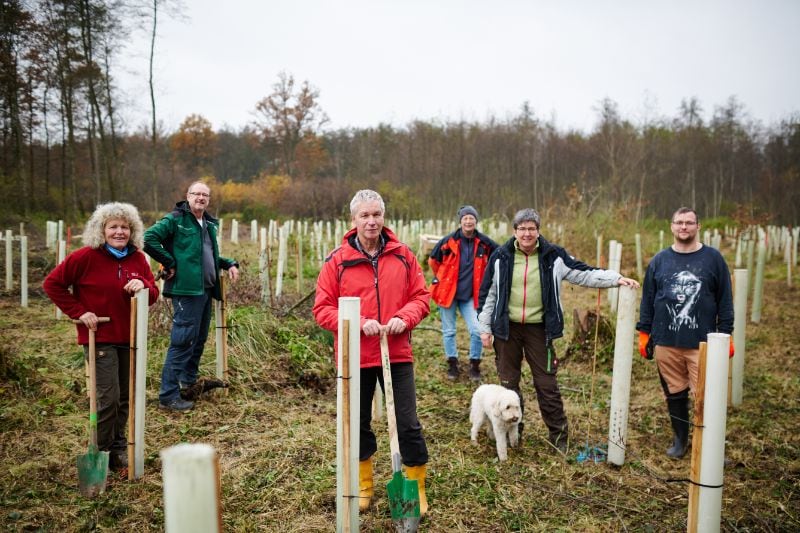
<point x="93" y="382"/>
<point x="394" y="443"/>
<point x="100" y="319"/>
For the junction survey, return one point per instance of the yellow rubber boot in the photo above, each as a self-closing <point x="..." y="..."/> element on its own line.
<point x="418" y="473"/>
<point x="365" y="484"/>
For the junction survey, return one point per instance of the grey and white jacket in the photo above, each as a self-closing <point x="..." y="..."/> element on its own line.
<point x="555" y="265"/>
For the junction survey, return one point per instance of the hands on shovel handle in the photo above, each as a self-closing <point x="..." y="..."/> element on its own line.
<point x="393" y="327"/>
<point x="90" y="320"/>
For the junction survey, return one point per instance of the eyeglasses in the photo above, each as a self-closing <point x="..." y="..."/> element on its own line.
<point x="687" y="223"/>
<point x="527" y="229"/>
<point x="203" y="194"/>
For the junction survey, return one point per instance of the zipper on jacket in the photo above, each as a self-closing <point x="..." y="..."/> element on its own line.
<point x="374" y="263"/>
<point x="524" y="287"/>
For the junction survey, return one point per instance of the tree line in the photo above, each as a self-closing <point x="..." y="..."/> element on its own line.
<point x="65" y="147"/>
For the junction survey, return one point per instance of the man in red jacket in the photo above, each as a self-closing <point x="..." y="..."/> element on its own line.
<point x="373" y="265"/>
<point x="458" y="262"/>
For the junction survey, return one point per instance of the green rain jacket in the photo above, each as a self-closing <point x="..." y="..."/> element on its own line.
<point x="176" y="241"/>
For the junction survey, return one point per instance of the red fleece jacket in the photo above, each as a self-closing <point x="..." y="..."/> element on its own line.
<point x="96" y="278"/>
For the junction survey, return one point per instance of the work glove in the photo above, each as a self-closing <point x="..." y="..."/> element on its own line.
<point x="731" y="352"/>
<point x="645" y="345"/>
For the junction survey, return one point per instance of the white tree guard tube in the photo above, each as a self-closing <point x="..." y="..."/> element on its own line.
<point x="612" y="265"/>
<point x="755" y="311"/>
<point x="282" y="252"/>
<point x="190" y="474"/>
<point x="348" y="394"/>
<point x="621" y="378"/>
<point x="739" y="326"/>
<point x="221" y="332"/>
<point x="235" y="231"/>
<point x="253" y="230"/>
<point x="23" y="270"/>
<point x="9" y="260"/>
<point x="712" y="458"/>
<point x="142" y="298"/>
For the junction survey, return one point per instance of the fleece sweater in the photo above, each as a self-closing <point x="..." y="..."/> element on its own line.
<point x="97" y="279"/>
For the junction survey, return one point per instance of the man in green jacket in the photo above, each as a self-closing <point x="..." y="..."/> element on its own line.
<point x="185" y="243"/>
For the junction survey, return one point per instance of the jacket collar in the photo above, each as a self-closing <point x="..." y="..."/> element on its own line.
<point x="183" y="206"/>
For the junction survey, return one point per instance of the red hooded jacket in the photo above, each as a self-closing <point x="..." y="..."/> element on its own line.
<point x="394" y="287"/>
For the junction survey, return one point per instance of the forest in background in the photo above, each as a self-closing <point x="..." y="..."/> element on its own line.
<point x="65" y="144"/>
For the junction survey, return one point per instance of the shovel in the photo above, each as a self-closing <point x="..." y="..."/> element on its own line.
<point x="403" y="493"/>
<point x="93" y="465"/>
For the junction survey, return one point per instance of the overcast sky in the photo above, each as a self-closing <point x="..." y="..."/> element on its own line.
<point x="393" y="61"/>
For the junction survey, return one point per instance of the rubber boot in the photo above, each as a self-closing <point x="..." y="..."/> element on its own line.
<point x="365" y="484"/>
<point x="418" y="473"/>
<point x="475" y="370"/>
<point x="679" y="418"/>
<point x="452" y="371"/>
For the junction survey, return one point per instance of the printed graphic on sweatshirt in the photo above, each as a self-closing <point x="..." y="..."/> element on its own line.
<point x="684" y="291"/>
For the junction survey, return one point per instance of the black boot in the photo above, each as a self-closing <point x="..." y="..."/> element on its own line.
<point x="452" y="371"/>
<point x="678" y="406"/>
<point x="475" y="370"/>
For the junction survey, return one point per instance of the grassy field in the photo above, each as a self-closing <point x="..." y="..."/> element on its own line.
<point x="275" y="430"/>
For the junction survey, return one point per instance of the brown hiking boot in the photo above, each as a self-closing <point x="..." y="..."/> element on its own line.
<point x="475" y="370"/>
<point x="452" y="371"/>
<point x="202" y="385"/>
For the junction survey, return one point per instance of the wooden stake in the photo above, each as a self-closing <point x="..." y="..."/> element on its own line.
<point x="697" y="440"/>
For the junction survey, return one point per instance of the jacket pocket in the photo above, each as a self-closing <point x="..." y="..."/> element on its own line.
<point x="183" y="333"/>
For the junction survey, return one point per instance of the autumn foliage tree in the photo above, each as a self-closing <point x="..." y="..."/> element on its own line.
<point x="287" y="116"/>
<point x="194" y="144"/>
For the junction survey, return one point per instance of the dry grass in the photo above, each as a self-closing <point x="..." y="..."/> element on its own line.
<point x="275" y="432"/>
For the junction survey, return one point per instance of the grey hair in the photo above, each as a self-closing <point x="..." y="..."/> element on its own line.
<point x="93" y="233"/>
<point x="365" y="195"/>
<point x="527" y="215"/>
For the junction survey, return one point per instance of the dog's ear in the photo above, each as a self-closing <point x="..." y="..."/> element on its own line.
<point x="497" y="408"/>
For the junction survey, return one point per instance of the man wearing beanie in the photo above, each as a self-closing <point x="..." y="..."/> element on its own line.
<point x="458" y="262"/>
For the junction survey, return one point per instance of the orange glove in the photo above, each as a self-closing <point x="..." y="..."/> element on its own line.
<point x="731" y="352"/>
<point x="644" y="338"/>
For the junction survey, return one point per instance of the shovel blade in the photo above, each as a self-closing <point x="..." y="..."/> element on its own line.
<point x="92" y="472"/>
<point x="404" y="502"/>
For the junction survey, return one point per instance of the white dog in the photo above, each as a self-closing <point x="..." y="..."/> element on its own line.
<point x="499" y="407"/>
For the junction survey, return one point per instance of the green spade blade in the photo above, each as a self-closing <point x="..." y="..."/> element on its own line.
<point x="92" y="472"/>
<point x="404" y="502"/>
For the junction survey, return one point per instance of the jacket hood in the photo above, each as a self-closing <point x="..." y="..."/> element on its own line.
<point x="183" y="206"/>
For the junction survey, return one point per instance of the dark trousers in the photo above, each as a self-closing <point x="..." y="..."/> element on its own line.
<point x="191" y="316"/>
<point x="529" y="341"/>
<point x="111" y="367"/>
<point x="413" y="449"/>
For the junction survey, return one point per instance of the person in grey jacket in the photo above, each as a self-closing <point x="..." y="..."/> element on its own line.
<point x="520" y="312"/>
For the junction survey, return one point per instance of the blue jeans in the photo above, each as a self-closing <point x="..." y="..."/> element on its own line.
<point x="470" y="314"/>
<point x="191" y="316"/>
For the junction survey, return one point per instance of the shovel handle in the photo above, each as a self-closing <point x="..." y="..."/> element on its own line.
<point x="100" y="320"/>
<point x="394" y="443"/>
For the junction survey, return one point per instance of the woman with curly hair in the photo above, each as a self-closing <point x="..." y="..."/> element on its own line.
<point x="103" y="275"/>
